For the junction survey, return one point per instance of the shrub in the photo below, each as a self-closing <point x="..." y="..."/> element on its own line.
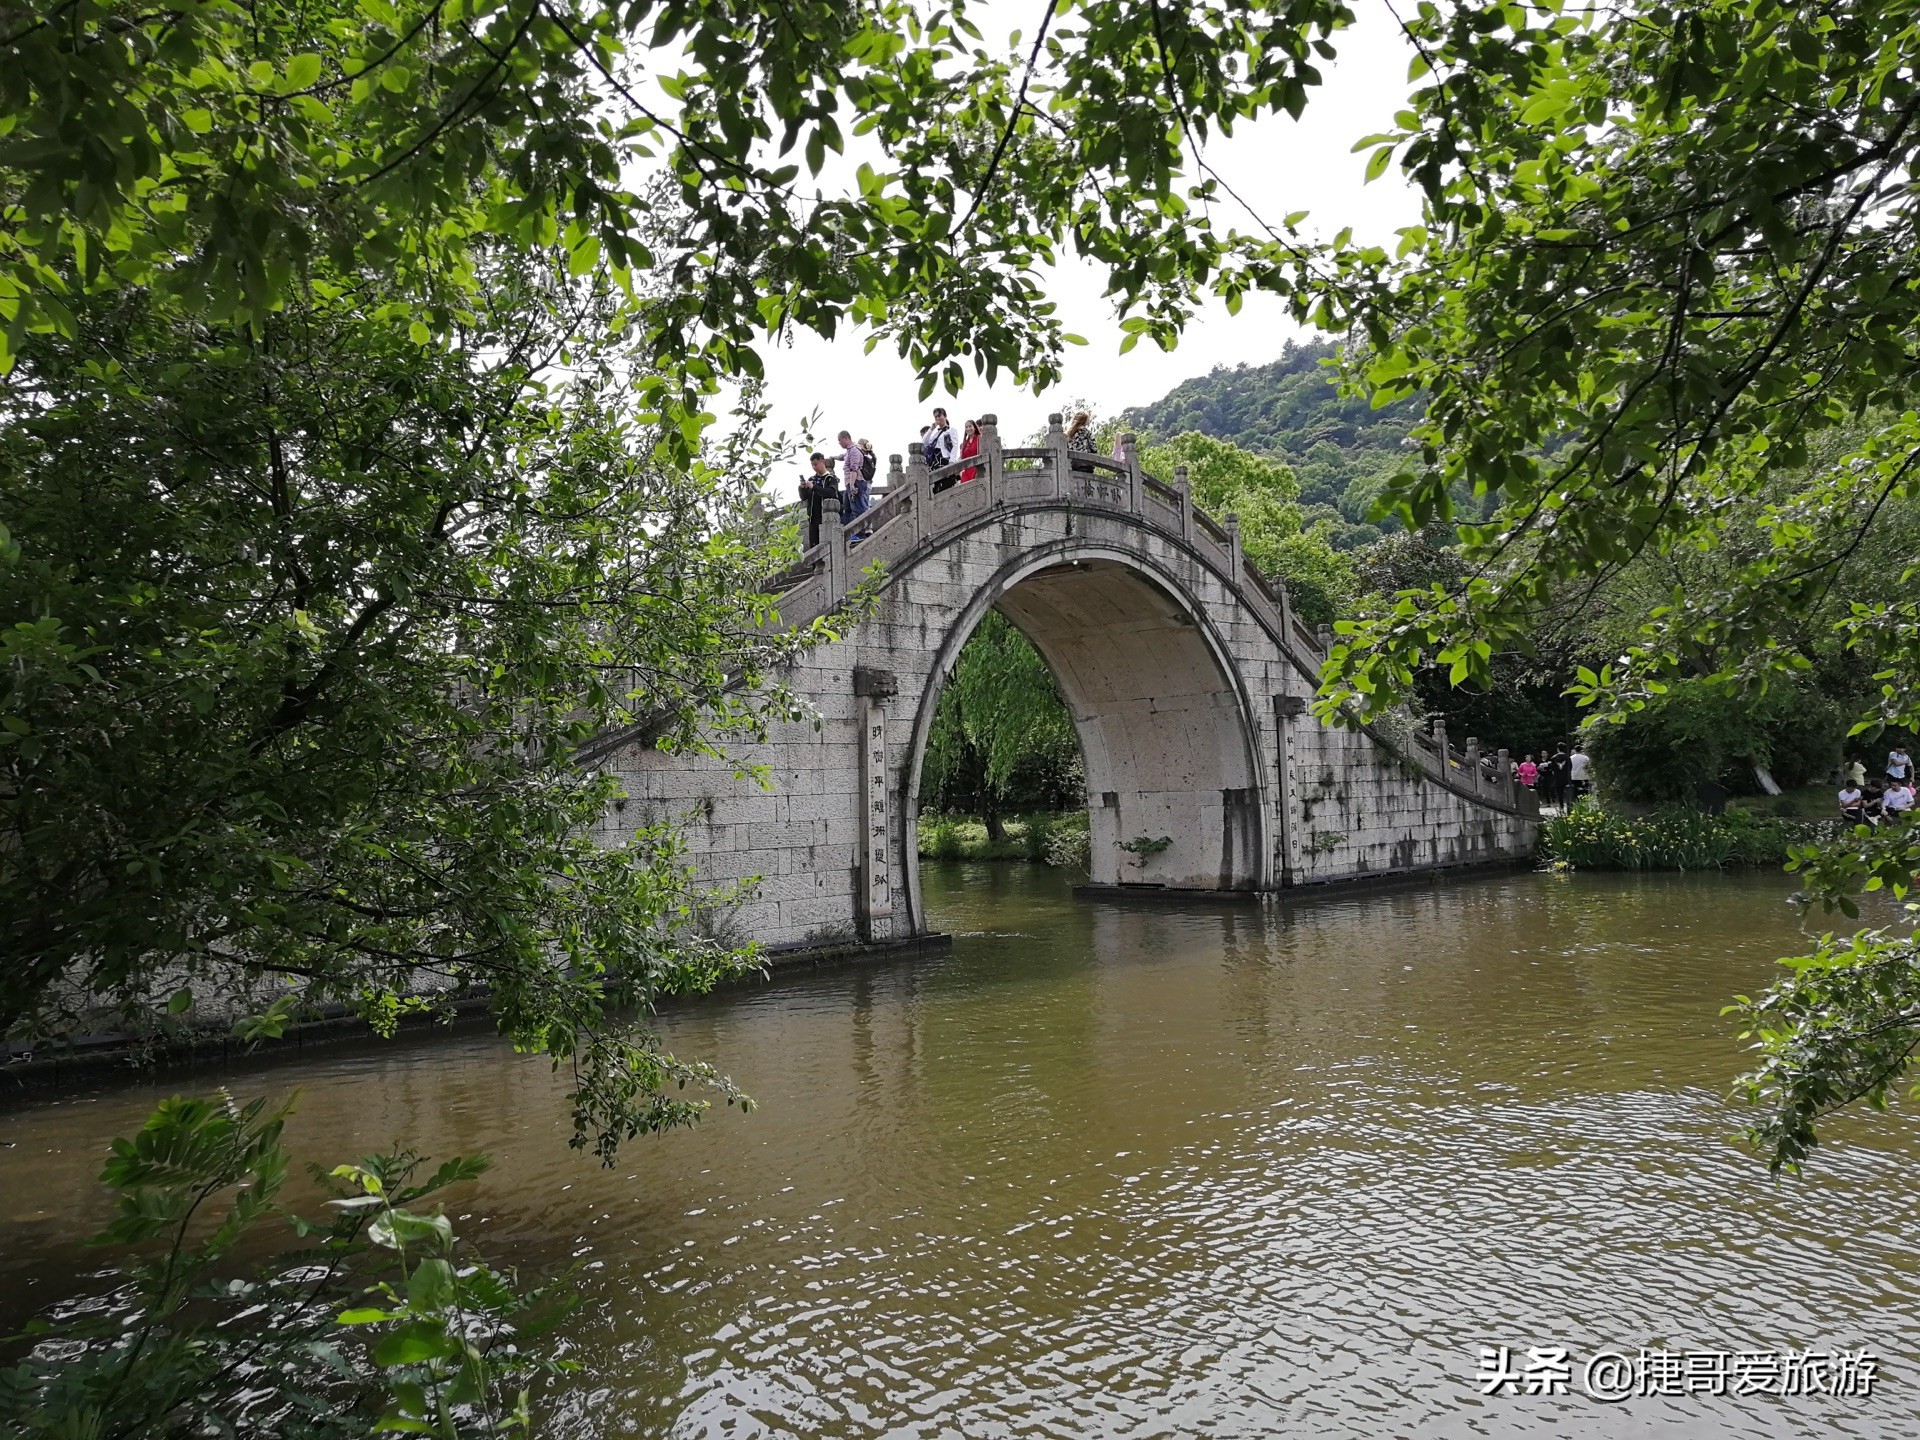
<point x="945" y="841"/>
<point x="1696" y="732"/>
<point x="1588" y="837"/>
<point x="376" y="1319"/>
<point x="1033" y="840"/>
<point x="1069" y="847"/>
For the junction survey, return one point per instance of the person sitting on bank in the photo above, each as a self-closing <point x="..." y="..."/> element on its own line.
<point x="1898" y="801"/>
<point x="1852" y="803"/>
<point x="1874" y="803"/>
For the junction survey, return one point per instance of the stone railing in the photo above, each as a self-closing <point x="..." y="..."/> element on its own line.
<point x="919" y="507"/>
<point x="1488" y="778"/>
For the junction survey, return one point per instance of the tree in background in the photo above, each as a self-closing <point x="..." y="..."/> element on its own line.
<point x="1339" y="448"/>
<point x="1002" y="739"/>
<point x="1664" y="260"/>
<point x="1226" y="479"/>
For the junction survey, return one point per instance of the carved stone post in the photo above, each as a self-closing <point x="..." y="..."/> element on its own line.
<point x="1323" y="632"/>
<point x="1057" y="453"/>
<point x="1136" y="487"/>
<point x="1503" y="775"/>
<point x="1186" y="502"/>
<point x="919" y="481"/>
<point x="835" y="540"/>
<point x="1472" y="762"/>
<point x="992" y="466"/>
<point x="1233" y="549"/>
<point x="1440" y="745"/>
<point x="873" y="688"/>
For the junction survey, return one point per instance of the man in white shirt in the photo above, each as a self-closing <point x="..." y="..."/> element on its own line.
<point x="1899" y="767"/>
<point x="1578" y="773"/>
<point x="1852" y="809"/>
<point x="1899" y="797"/>
<point x="940" y="443"/>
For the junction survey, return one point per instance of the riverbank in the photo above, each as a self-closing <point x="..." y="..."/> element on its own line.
<point x="1589" y="837"/>
<point x="1056" y="838"/>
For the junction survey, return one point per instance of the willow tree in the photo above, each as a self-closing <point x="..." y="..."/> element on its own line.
<point x="1001" y="733"/>
<point x="1667" y="254"/>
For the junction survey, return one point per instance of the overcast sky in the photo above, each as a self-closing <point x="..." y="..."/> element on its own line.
<point x="1278" y="165"/>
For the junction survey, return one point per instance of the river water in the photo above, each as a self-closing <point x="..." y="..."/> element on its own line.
<point x="1114" y="1171"/>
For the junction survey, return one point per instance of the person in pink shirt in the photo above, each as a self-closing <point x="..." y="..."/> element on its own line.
<point x="1529" y="772"/>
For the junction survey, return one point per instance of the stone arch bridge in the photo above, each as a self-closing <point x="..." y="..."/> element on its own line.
<point x="1186" y="672"/>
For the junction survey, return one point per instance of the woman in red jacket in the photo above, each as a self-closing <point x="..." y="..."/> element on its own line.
<point x="970" y="447"/>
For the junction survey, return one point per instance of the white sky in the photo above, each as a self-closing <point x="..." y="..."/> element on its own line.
<point x="1278" y="165"/>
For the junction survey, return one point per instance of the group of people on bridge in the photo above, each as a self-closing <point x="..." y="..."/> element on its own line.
<point x="1558" y="777"/>
<point x="848" y="471"/>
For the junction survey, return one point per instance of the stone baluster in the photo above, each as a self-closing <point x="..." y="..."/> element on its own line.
<point x="1503" y="776"/>
<point x="1440" y="745"/>
<point x="1323" y="632"/>
<point x="919" y="480"/>
<point x="835" y="540"/>
<point x="1057" y="453"/>
<point x="1136" y="486"/>
<point x="993" y="469"/>
<point x="1186" y="502"/>
<point x="896" y="482"/>
<point x="1232" y="524"/>
<point x="1471" y="763"/>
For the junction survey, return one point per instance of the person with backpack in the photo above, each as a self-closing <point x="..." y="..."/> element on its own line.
<point x="853" y="469"/>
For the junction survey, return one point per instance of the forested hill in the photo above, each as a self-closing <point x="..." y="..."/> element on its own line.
<point x="1340" y="447"/>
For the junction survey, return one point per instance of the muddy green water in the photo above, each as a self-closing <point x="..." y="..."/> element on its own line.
<point x="1108" y="1171"/>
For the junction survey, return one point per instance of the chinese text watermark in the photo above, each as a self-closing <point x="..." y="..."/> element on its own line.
<point x="1612" y="1375"/>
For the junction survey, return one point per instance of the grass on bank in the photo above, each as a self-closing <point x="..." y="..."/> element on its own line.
<point x="1046" y="839"/>
<point x="1589" y="837"/>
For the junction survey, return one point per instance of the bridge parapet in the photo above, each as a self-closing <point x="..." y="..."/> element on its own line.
<point x="921" y="507"/>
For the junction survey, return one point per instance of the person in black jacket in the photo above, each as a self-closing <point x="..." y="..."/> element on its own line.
<point x="814" y="489"/>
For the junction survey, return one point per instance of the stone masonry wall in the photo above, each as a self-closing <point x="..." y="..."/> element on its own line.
<point x="1331" y="804"/>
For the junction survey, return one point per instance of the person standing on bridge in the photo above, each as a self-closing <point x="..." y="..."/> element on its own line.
<point x="853" y="465"/>
<point x="1080" y="439"/>
<point x="814" y="489"/>
<point x="970" y="447"/>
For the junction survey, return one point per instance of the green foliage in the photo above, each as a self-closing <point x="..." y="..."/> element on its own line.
<point x="378" y="1319"/>
<point x="222" y="156"/>
<point x="1070" y="844"/>
<point x="1034" y="838"/>
<point x="1694" y="731"/>
<point x="1588" y="837"/>
<point x="1144" y="847"/>
<point x="304" y="628"/>
<point x="1843" y="1027"/>
<point x="1227" y="480"/>
<point x="1655" y="308"/>
<point x="1002" y="738"/>
<point x="1340" y="448"/>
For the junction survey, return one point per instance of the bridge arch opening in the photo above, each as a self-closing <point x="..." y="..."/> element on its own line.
<point x="1165" y="729"/>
